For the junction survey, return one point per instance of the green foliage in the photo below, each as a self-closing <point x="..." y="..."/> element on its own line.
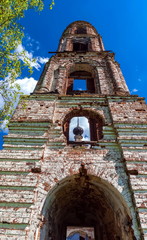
<point x="52" y="4"/>
<point x="11" y="34"/>
<point x="10" y="95"/>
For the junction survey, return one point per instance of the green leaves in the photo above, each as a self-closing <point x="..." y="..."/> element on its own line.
<point x="11" y="33"/>
<point x="11" y="61"/>
<point x="51" y="5"/>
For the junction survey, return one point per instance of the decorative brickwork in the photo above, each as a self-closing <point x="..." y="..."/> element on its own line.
<point x="48" y="183"/>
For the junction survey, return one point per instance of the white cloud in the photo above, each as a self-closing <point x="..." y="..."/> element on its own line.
<point x="1" y="102"/>
<point x="31" y="43"/>
<point x="19" y="48"/>
<point x="42" y="60"/>
<point x="134" y="90"/>
<point x="23" y="54"/>
<point x="27" y="85"/>
<point x="139" y="80"/>
<point x="4" y="127"/>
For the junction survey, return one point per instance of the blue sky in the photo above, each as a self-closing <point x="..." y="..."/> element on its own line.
<point x="121" y="23"/>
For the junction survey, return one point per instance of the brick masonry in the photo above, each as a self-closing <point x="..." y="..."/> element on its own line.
<point x="40" y="170"/>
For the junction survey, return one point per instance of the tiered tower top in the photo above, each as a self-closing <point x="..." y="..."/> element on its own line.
<point x="80" y="36"/>
<point x="82" y="66"/>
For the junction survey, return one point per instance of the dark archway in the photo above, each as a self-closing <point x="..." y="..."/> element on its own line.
<point x="86" y="200"/>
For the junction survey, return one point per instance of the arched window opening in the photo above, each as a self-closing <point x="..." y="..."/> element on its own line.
<point x="80" y="82"/>
<point x="80" y="47"/>
<point x="83" y="127"/>
<point x="81" y="30"/>
<point x="81" y="44"/>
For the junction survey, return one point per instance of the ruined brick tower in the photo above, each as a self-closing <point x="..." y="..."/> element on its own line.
<point x="74" y="160"/>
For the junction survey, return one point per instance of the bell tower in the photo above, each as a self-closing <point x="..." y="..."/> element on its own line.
<point x="81" y="56"/>
<point x="74" y="162"/>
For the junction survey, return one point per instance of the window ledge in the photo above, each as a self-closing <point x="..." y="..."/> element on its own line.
<point x="83" y="142"/>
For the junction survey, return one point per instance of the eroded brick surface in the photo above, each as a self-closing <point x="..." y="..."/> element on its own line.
<point x="48" y="183"/>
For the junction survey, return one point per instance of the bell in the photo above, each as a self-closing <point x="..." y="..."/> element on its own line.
<point x="78" y="131"/>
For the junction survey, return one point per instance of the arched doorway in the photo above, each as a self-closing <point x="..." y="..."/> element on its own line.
<point x="87" y="201"/>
